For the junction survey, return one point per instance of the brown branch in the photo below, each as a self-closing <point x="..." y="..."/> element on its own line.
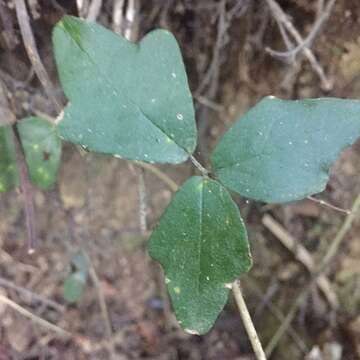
<point x="302" y="255"/>
<point x="282" y="18"/>
<point x="31" y="49"/>
<point x="27" y="192"/>
<point x="326" y="261"/>
<point x="36" y="319"/>
<point x="310" y="38"/>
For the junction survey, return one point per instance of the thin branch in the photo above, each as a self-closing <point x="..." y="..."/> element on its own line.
<point x="330" y="206"/>
<point x="33" y="296"/>
<point x="203" y="171"/>
<point x="94" y="10"/>
<point x="172" y="185"/>
<point x="326" y="261"/>
<point x="209" y="103"/>
<point x="142" y="202"/>
<point x="102" y="303"/>
<point x="33" y="317"/>
<point x="101" y="299"/>
<point x="7" y="116"/>
<point x="277" y="313"/>
<point x="310" y="38"/>
<point x="27" y="192"/>
<point x="249" y="326"/>
<point x="117" y="17"/>
<point x="303" y="256"/>
<point x="280" y="16"/>
<point x="31" y="49"/>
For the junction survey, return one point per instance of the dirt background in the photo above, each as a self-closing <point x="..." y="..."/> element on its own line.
<point x="94" y="208"/>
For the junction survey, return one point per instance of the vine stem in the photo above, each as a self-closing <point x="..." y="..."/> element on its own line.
<point x="247" y="321"/>
<point x="203" y="171"/>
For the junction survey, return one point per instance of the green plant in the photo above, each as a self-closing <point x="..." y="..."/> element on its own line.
<point x="133" y="101"/>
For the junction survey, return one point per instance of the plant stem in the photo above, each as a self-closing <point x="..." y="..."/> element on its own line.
<point x="249" y="326"/>
<point x="27" y="192"/>
<point x="203" y="171"/>
<point x="173" y="186"/>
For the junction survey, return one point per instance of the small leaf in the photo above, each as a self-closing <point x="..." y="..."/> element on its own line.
<point x="126" y="99"/>
<point x="201" y="242"/>
<point x="74" y="286"/>
<point x="42" y="149"/>
<point x="282" y="150"/>
<point x="75" y="282"/>
<point x="9" y="176"/>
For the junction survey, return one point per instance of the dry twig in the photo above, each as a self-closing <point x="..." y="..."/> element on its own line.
<point x="330" y="206"/>
<point x="326" y="261"/>
<point x="282" y="18"/>
<point x="5" y="300"/>
<point x="31" y="295"/>
<point x="303" y="256"/>
<point x="27" y="192"/>
<point x="31" y="49"/>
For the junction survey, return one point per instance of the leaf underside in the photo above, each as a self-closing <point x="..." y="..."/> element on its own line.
<point x="42" y="149"/>
<point x="282" y="150"/>
<point x="201" y="243"/>
<point x="126" y="99"/>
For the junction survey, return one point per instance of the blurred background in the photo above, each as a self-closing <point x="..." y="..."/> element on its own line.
<point x="91" y="276"/>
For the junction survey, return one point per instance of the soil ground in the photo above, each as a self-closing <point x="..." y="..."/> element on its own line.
<point x="95" y="205"/>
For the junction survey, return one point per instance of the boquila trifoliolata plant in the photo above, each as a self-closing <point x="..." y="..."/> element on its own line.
<point x="133" y="101"/>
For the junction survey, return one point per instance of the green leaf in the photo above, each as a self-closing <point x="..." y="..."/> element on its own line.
<point x="74" y="285"/>
<point x="75" y="282"/>
<point x="9" y="176"/>
<point x="42" y="148"/>
<point x="282" y="150"/>
<point x="201" y="243"/>
<point x="126" y="99"/>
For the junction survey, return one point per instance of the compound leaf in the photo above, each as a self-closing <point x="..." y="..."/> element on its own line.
<point x="201" y="242"/>
<point x="9" y="176"/>
<point x="282" y="150"/>
<point x="130" y="100"/>
<point x="42" y="148"/>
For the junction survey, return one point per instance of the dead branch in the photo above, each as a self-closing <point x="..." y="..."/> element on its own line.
<point x="324" y="15"/>
<point x="27" y="192"/>
<point x="38" y="320"/>
<point x="31" y="49"/>
<point x="282" y="18"/>
<point x="324" y="264"/>
<point x="302" y="255"/>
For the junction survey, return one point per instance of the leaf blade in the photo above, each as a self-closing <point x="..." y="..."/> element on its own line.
<point x="42" y="148"/>
<point x="281" y="150"/>
<point x="9" y="175"/>
<point x="207" y="250"/>
<point x="135" y="96"/>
